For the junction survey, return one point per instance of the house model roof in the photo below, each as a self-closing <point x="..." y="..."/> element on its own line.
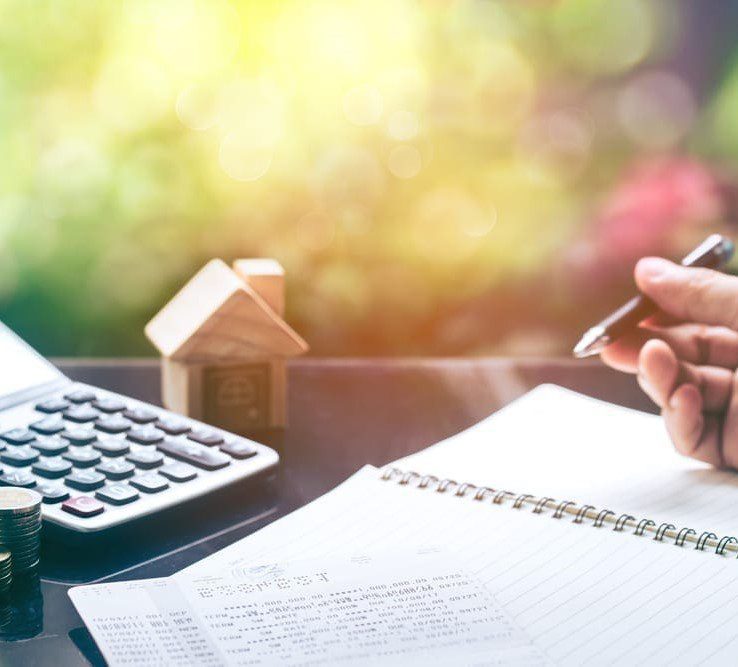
<point x="218" y="315"/>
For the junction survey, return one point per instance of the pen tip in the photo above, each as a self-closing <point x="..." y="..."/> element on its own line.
<point x="592" y="342"/>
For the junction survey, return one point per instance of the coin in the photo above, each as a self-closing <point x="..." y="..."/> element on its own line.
<point x="17" y="500"/>
<point x="6" y="573"/>
<point x="20" y="530"/>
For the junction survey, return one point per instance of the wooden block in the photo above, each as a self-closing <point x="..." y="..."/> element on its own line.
<point x="181" y="387"/>
<point x="218" y="316"/>
<point x="239" y="397"/>
<point x="266" y="277"/>
<point x="278" y="412"/>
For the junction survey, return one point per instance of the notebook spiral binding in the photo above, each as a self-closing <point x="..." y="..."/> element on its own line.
<point x="581" y="513"/>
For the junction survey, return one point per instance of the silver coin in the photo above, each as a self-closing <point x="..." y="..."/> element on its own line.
<point x="12" y="533"/>
<point x="10" y="540"/>
<point x="20" y="518"/>
<point x="28" y="566"/>
<point x="21" y="521"/>
<point x="14" y="499"/>
<point x="22" y="550"/>
<point x="34" y="524"/>
<point x="26" y="561"/>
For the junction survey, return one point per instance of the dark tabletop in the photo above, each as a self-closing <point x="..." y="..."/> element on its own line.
<point x="343" y="414"/>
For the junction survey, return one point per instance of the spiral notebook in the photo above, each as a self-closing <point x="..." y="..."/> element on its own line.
<point x="580" y="594"/>
<point x="609" y="580"/>
<point x="594" y="460"/>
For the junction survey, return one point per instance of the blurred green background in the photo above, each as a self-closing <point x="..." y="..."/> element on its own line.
<point x="439" y="177"/>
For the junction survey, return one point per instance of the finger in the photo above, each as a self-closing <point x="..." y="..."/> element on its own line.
<point x="730" y="428"/>
<point x="695" y="343"/>
<point x="714" y="384"/>
<point x="658" y="371"/>
<point x="622" y="355"/>
<point x="703" y="345"/>
<point x="692" y="433"/>
<point x="688" y="293"/>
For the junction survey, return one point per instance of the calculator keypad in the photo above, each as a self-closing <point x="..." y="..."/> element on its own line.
<point x="101" y="459"/>
<point x="116" y="469"/>
<point x="48" y="426"/>
<point x="117" y="494"/>
<point x="52" y="493"/>
<point x="149" y="483"/>
<point x="52" y="468"/>
<point x="18" y="478"/>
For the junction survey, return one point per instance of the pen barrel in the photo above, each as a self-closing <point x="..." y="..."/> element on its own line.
<point x="628" y="316"/>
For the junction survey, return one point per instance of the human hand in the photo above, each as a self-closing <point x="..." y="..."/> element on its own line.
<point x="686" y="357"/>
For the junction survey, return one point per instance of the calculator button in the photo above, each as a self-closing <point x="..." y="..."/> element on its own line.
<point x="18" y="478"/>
<point x="178" y="472"/>
<point x="18" y="436"/>
<point x="52" y="468"/>
<point x="146" y="459"/>
<point x="149" y="482"/>
<point x="117" y="494"/>
<point x="145" y="435"/>
<point x="52" y="493"/>
<point x="79" y="436"/>
<point x="81" y="414"/>
<point x="239" y="449"/>
<point x="206" y="437"/>
<point x="109" y="405"/>
<point x="51" y="445"/>
<point x="48" y="426"/>
<point x="197" y="455"/>
<point x="114" y="424"/>
<point x="83" y="506"/>
<point x="85" y="480"/>
<point x="52" y="405"/>
<point x="116" y="469"/>
<point x="80" y="396"/>
<point x="82" y="457"/>
<point x="172" y="426"/>
<point x="112" y="447"/>
<point x="19" y="456"/>
<point x="140" y="415"/>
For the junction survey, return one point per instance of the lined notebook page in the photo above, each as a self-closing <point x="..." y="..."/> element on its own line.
<point x="555" y="442"/>
<point x="583" y="595"/>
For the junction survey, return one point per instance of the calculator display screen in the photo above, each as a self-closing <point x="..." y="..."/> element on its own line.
<point x="21" y="367"/>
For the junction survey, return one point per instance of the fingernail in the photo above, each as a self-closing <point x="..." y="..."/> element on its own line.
<point x="654" y="269"/>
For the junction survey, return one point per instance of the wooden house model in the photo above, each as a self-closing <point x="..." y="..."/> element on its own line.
<point x="224" y="344"/>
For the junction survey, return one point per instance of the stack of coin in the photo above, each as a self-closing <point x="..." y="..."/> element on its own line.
<point x="20" y="526"/>
<point x="6" y="574"/>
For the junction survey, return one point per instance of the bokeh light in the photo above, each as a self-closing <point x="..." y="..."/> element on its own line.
<point x="417" y="166"/>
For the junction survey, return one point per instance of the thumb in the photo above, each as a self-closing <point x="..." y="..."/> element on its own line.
<point x="688" y="293"/>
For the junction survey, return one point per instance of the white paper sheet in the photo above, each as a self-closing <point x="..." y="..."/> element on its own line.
<point x="413" y="608"/>
<point x="583" y="595"/>
<point x="555" y="442"/>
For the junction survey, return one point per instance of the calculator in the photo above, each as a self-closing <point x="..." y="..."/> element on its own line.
<point x="100" y="459"/>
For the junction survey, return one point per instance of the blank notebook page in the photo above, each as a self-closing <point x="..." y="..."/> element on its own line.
<point x="583" y="595"/>
<point x="555" y="442"/>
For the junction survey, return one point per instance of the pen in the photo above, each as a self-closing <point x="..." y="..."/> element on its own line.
<point x="712" y="253"/>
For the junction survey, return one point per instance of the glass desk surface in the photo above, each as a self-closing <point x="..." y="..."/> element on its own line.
<point x="343" y="413"/>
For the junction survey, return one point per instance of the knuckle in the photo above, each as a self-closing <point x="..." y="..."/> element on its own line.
<point x="704" y="344"/>
<point x="706" y="293"/>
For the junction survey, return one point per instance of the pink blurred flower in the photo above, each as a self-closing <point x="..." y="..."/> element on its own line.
<point x="660" y="207"/>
